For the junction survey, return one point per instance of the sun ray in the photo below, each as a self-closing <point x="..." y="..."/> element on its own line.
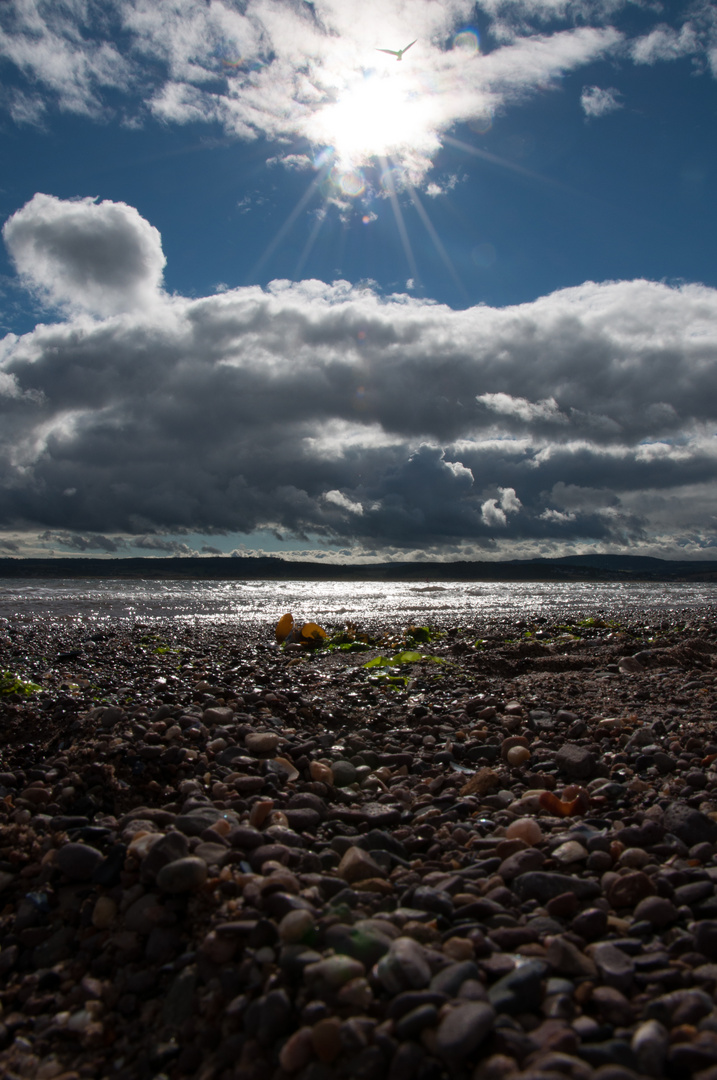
<point x="284" y="229"/>
<point x="494" y="159"/>
<point x="437" y="242"/>
<point x="390" y="189"/>
<point x="311" y="240"/>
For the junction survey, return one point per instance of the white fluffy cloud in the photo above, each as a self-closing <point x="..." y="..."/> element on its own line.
<point x="279" y="70"/>
<point x="324" y="410"/>
<point x="103" y="258"/>
<point x="598" y="102"/>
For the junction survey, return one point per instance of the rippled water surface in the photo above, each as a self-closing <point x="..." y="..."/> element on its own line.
<point x="262" y="602"/>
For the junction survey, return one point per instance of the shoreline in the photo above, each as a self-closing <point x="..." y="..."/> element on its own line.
<point x="225" y="860"/>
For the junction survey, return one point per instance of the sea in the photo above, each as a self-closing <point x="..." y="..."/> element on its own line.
<point x="261" y="603"/>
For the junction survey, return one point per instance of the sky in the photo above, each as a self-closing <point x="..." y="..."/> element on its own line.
<point x="267" y="287"/>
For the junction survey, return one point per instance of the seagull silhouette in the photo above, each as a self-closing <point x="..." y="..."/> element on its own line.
<point x="398" y="53"/>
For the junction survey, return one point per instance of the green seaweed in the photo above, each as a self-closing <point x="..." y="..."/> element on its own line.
<point x="10" y="683"/>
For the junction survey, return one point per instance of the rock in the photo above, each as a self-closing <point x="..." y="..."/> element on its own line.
<point x="520" y="990"/>
<point x="178" y="1005"/>
<point x="451" y="978"/>
<point x="182" y="875"/>
<point x="526" y="829"/>
<point x="173" y="845"/>
<point x="463" y="1029"/>
<point x="565" y="957"/>
<point x="542" y="886"/>
<point x="705" y="933"/>
<point x="104" y="913"/>
<point x="689" y="825"/>
<point x="615" y="966"/>
<point x="649" y="1045"/>
<point x="261" y="743"/>
<point x="522" y="862"/>
<point x="680" y="1007"/>
<point x="627" y="891"/>
<point x="576" y="761"/>
<point x="79" y="861"/>
<point x="404" y="967"/>
<point x="335" y="971"/>
<point x="590" y="924"/>
<point x="657" y="910"/>
<point x="612" y="1005"/>
<point x="571" y="851"/>
<point x="357" y="865"/>
<point x="344" y="773"/>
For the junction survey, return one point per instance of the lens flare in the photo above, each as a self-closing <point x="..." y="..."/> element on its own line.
<point x="481" y="123"/>
<point x="394" y="179"/>
<point x="467" y="41"/>
<point x="350" y="183"/>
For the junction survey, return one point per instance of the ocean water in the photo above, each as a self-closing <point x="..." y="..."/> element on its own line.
<point x="262" y="603"/>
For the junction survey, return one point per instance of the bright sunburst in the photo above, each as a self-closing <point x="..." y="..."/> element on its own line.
<point x="377" y="115"/>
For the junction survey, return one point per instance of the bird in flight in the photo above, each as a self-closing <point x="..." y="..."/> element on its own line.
<point x="398" y="53"/>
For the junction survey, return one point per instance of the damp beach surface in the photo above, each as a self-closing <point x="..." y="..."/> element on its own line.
<point x="470" y="848"/>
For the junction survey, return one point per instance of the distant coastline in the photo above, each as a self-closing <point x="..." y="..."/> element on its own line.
<point x="223" y="568"/>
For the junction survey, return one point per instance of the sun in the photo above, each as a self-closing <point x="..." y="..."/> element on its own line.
<point x="376" y="115"/>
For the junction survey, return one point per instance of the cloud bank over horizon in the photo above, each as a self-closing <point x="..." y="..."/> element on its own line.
<point x="331" y="414"/>
<point x="306" y="73"/>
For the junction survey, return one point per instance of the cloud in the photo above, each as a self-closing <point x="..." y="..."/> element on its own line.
<point x="333" y="415"/>
<point x="598" y="102"/>
<point x="292" y="73"/>
<point x="98" y="257"/>
<point x="494" y="512"/>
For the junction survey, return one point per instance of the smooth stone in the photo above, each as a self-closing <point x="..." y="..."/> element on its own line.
<point x="183" y="875"/>
<point x="570" y="852"/>
<point x="433" y="900"/>
<point x="463" y="1029"/>
<point x="649" y="1045"/>
<point x="520" y="990"/>
<point x="365" y="940"/>
<point x="628" y="890"/>
<point x="344" y="773"/>
<point x="297" y="926"/>
<point x="413" y="1023"/>
<point x="542" y="886"/>
<point x="78" y="861"/>
<point x="404" y="967"/>
<point x="521" y="862"/>
<point x="173" y="845"/>
<point x="261" y="742"/>
<point x="657" y="910"/>
<point x="104" y="913"/>
<point x="335" y="971"/>
<point x="565" y="958"/>
<point x="615" y="966"/>
<point x="451" y="978"/>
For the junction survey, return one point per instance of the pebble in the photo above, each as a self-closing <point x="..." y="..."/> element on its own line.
<point x="79" y="861"/>
<point x="463" y="1029"/>
<point x="182" y="875"/>
<point x="270" y="867"/>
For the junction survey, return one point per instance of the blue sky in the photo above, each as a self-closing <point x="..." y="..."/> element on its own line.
<point x="266" y="288"/>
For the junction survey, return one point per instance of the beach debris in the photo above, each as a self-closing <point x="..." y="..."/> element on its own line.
<point x="290" y="632"/>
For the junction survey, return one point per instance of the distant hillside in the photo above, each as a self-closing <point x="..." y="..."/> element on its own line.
<point x="216" y="568"/>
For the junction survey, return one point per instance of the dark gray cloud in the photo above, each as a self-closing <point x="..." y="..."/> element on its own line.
<point x="326" y="411"/>
<point x="98" y="257"/>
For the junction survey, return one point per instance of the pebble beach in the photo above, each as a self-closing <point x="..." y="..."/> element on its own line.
<point x="491" y="855"/>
